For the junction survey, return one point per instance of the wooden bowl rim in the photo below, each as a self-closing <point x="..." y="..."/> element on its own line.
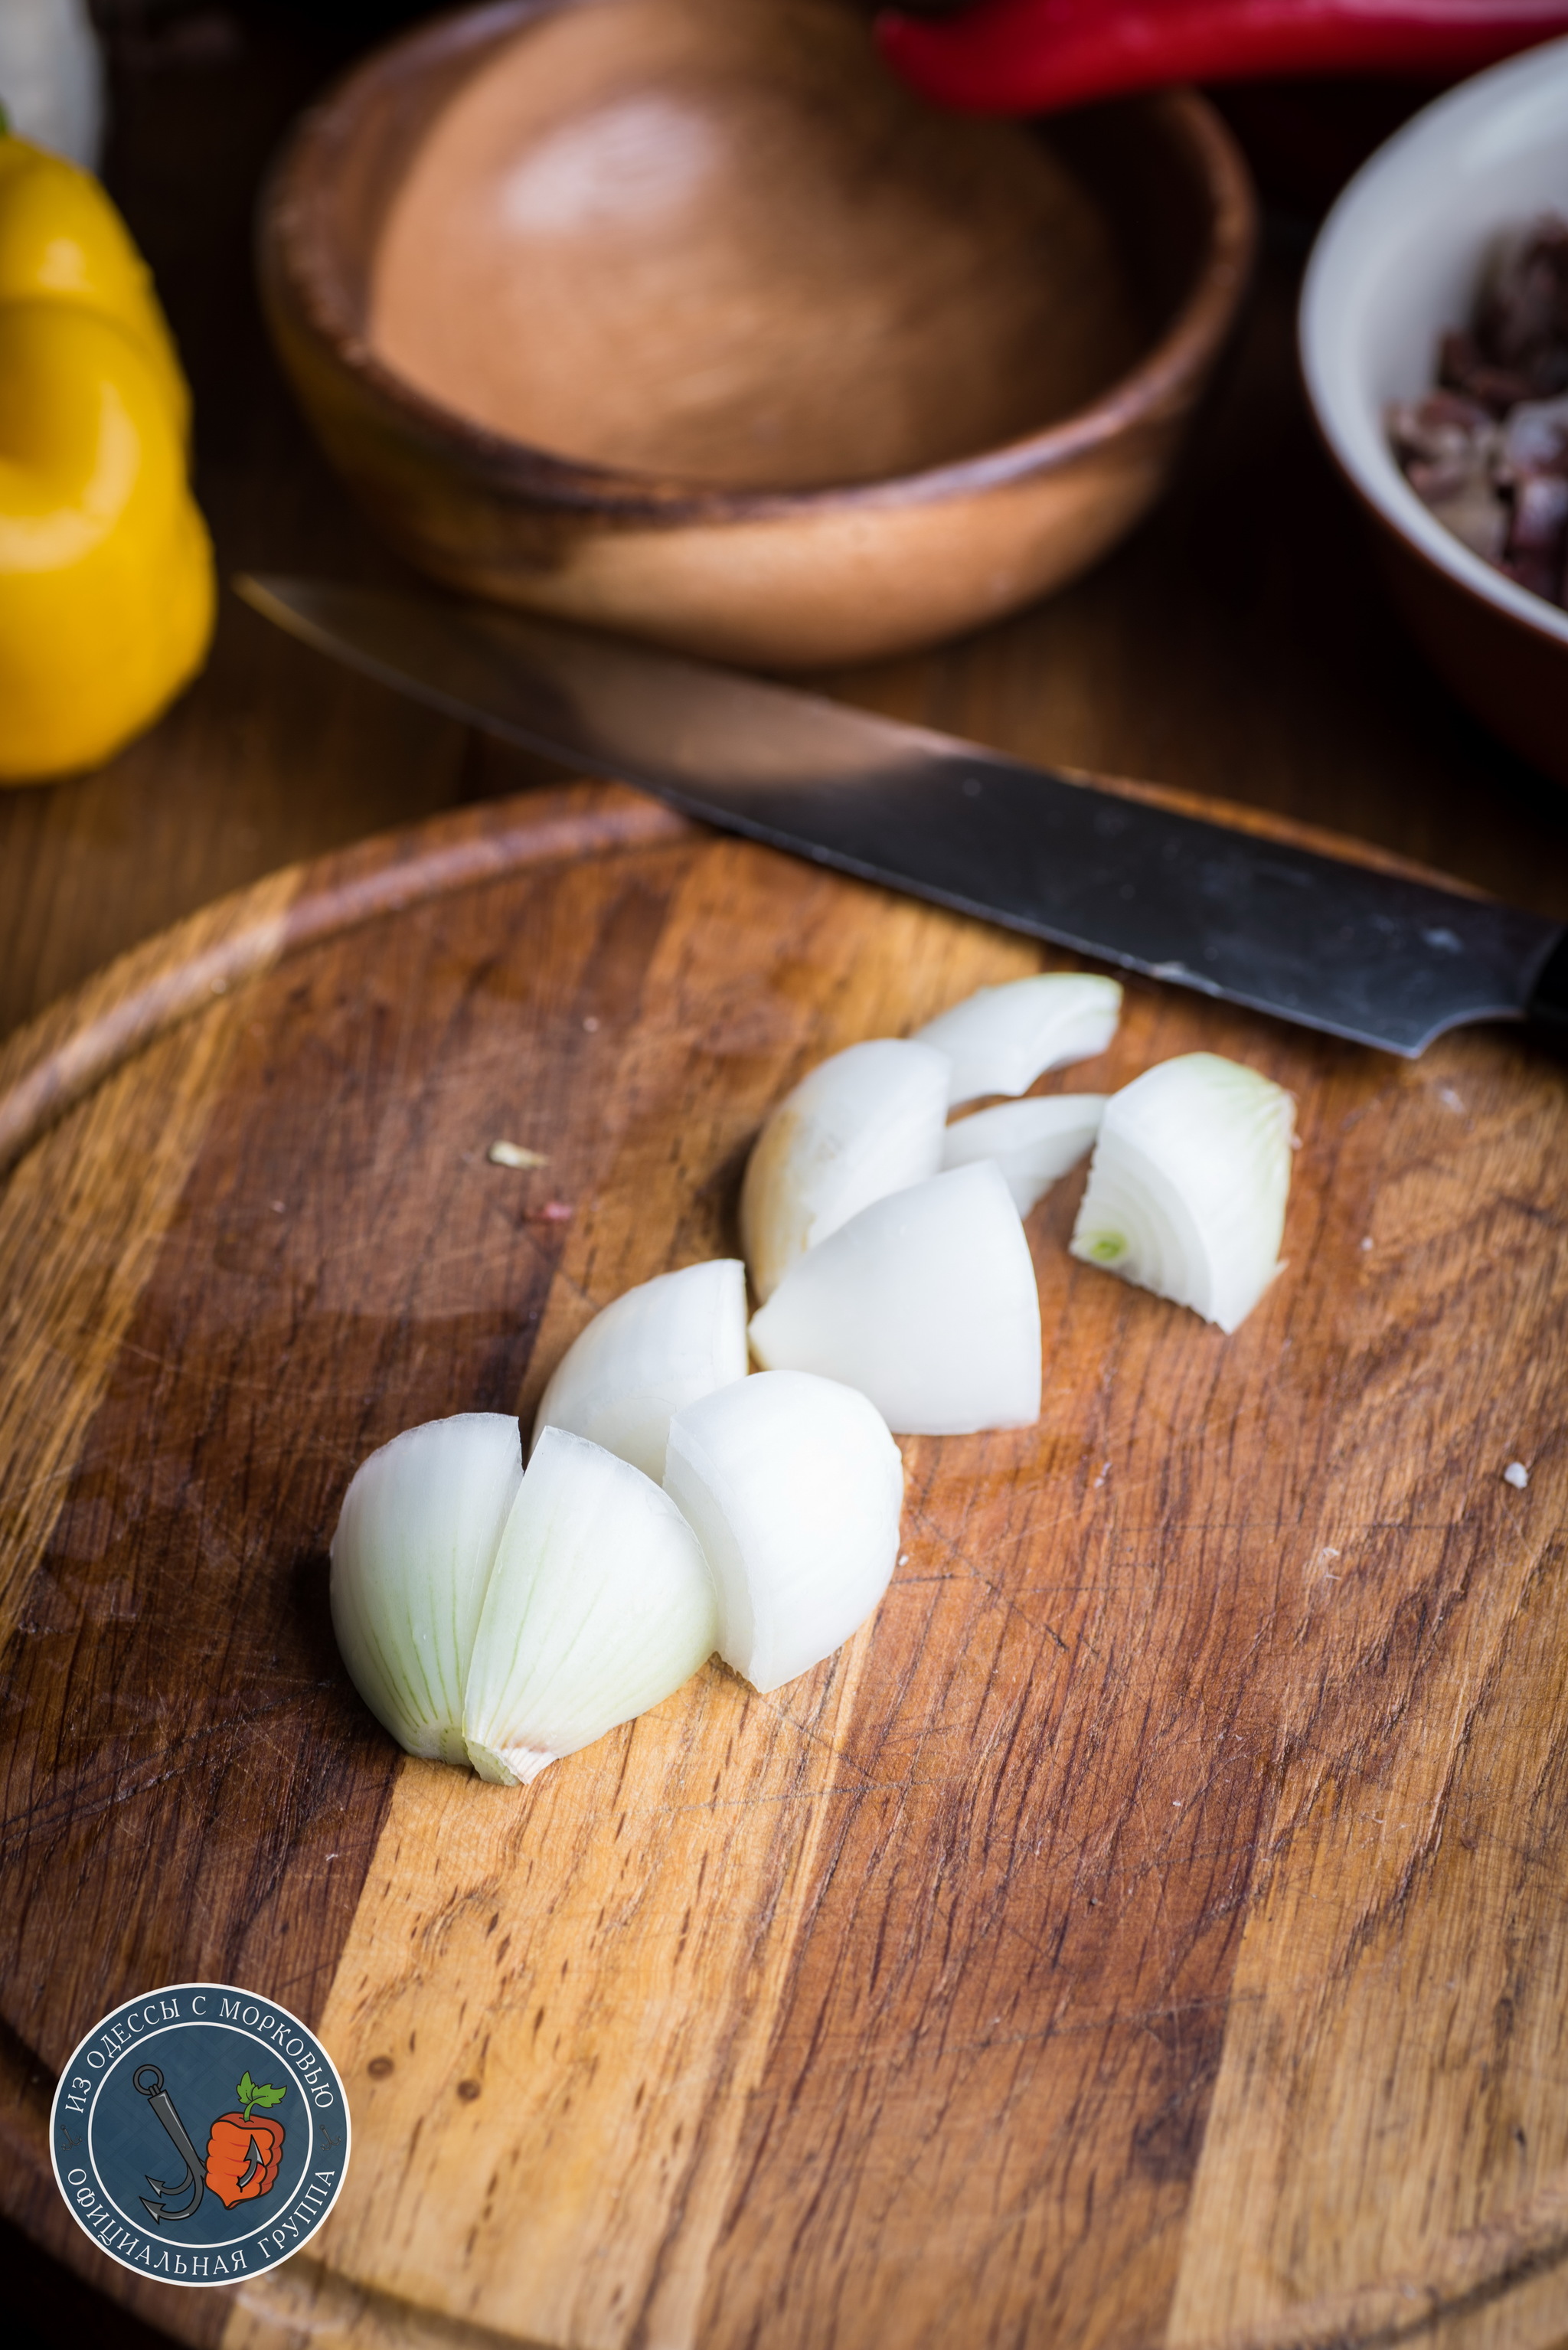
<point x="305" y="288"/>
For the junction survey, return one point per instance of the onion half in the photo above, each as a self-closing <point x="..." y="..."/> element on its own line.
<point x="1032" y="1141"/>
<point x="1000" y="1039"/>
<point x="659" y="1346"/>
<point x="1186" y="1192"/>
<point x="416" y="1539"/>
<point x="794" y="1487"/>
<point x="865" y="1123"/>
<point x="926" y="1302"/>
<point x="599" y="1605"/>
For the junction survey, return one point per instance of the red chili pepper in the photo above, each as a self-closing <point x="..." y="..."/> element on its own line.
<point x="1025" y="56"/>
<point x="244" y="2153"/>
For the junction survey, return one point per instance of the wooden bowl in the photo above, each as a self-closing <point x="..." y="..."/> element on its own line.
<point x="681" y="318"/>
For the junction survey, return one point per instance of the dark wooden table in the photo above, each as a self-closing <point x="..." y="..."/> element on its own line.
<point x="1239" y="645"/>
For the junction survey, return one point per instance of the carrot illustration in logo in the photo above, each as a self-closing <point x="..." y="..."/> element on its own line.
<point x="244" y="2153"/>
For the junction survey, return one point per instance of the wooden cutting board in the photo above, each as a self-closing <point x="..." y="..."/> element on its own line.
<point x="1150" y="1930"/>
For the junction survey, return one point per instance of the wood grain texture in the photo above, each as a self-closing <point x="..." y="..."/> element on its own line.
<point x="1146" y="1932"/>
<point x="85" y="1217"/>
<point x="1445" y="1813"/>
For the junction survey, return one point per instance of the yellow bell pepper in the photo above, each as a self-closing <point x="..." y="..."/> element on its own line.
<point x="106" y="569"/>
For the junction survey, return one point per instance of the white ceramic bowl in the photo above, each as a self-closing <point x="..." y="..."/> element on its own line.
<point x="1399" y="259"/>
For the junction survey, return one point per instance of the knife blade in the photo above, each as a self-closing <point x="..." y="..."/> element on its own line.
<point x="1370" y="956"/>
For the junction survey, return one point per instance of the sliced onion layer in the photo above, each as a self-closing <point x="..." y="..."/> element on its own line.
<point x="1186" y="1191"/>
<point x="1032" y="1141"/>
<point x="794" y="1487"/>
<point x="416" y="1538"/>
<point x="660" y="1346"/>
<point x="1002" y="1038"/>
<point x="926" y="1302"/>
<point x="865" y="1123"/>
<point x="599" y="1605"/>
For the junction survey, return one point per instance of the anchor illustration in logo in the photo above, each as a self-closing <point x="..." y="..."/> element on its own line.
<point x="243" y="2154"/>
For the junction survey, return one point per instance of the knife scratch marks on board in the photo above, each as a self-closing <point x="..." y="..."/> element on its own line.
<point x="71" y="1280"/>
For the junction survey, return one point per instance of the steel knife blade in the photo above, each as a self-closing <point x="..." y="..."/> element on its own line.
<point x="1373" y="957"/>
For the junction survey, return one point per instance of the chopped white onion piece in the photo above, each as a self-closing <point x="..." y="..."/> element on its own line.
<point x="600" y="1605"/>
<point x="1032" y="1141"/>
<point x="1000" y="1039"/>
<point x="867" y="1122"/>
<point x="926" y="1302"/>
<point x="794" y="1487"/>
<point x="663" y="1344"/>
<point x="1186" y="1191"/>
<point x="415" y="1540"/>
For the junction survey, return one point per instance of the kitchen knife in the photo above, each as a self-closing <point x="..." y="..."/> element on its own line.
<point x="1366" y="955"/>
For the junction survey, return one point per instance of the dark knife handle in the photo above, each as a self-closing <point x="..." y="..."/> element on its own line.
<point x="1546" y="1014"/>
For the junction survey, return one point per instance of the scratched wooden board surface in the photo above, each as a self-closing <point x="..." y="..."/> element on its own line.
<point x="1150" y="1930"/>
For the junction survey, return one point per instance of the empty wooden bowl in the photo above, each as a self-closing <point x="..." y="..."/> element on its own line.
<point x="681" y="318"/>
